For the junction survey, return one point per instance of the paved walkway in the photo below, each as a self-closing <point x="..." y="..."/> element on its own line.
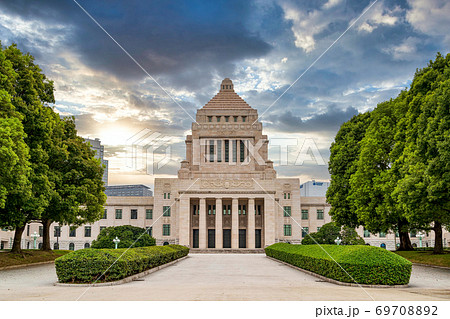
<point x="220" y="277"/>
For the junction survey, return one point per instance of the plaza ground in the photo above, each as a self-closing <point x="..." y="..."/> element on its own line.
<point x="220" y="277"/>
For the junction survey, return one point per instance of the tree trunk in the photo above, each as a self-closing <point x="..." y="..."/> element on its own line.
<point x="438" y="249"/>
<point x="405" y="242"/>
<point x="16" y="248"/>
<point x="46" y="235"/>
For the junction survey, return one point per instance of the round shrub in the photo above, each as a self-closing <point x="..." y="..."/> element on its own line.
<point x="127" y="234"/>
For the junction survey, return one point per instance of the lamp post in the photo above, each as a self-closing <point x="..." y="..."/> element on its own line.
<point x="116" y="241"/>
<point x="338" y="241"/>
<point x="35" y="236"/>
<point x="420" y="235"/>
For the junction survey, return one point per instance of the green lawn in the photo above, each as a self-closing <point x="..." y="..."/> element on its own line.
<point x="426" y="257"/>
<point x="29" y="256"/>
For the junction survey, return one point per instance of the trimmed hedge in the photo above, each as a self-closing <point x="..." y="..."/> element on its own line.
<point x="87" y="265"/>
<point x="366" y="264"/>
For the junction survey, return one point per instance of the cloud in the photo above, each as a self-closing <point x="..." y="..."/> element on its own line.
<point x="378" y="15"/>
<point x="430" y="17"/>
<point x="404" y="51"/>
<point x="329" y="121"/>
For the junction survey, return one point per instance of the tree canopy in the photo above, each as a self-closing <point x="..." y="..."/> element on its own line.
<point x="130" y="236"/>
<point x="390" y="168"/>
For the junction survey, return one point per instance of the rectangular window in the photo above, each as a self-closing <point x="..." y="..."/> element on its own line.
<point x="105" y="214"/>
<point x="166" y="211"/>
<point x="118" y="214"/>
<point x="289" y="195"/>
<point x="209" y="118"/>
<point x="211" y="150"/>
<point x="134" y="214"/>
<point x="305" y="214"/>
<point x="166" y="230"/>
<point x="57" y="231"/>
<point x="28" y="230"/>
<point x="219" y="151"/>
<point x="168" y="195"/>
<point x="209" y="209"/>
<point x="149" y="230"/>
<point x="41" y="230"/>
<point x="241" y="151"/>
<point x="218" y="119"/>
<point x="149" y="213"/>
<point x="305" y="231"/>
<point x="366" y="233"/>
<point x="226" y="209"/>
<point x="87" y="231"/>
<point x="287" y="230"/>
<point x="320" y="214"/>
<point x="73" y="232"/>
<point x="382" y="234"/>
<point x="165" y="195"/>
<point x="194" y="209"/>
<point x="102" y="227"/>
<point x="235" y="118"/>
<point x="318" y="228"/>
<point x="284" y="195"/>
<point x="287" y="211"/>
<point x="227" y="118"/>
<point x="244" y="119"/>
<point x="227" y="151"/>
<point x="234" y="151"/>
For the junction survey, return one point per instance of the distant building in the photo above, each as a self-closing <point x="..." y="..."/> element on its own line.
<point x="128" y="190"/>
<point x="314" y="189"/>
<point x="97" y="146"/>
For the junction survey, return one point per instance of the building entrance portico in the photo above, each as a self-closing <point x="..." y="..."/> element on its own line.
<point x="227" y="222"/>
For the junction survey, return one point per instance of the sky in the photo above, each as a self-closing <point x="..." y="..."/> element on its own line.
<point x="146" y="67"/>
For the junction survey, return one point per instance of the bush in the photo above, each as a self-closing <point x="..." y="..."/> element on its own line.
<point x="328" y="234"/>
<point x="127" y="234"/>
<point x="366" y="264"/>
<point x="87" y="265"/>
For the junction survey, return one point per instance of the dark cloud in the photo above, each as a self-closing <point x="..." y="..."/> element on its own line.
<point x="327" y="122"/>
<point x="165" y="37"/>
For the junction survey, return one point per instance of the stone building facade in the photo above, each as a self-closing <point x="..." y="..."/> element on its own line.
<point x="226" y="196"/>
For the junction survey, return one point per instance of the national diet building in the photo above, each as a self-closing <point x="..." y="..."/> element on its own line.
<point x="227" y="194"/>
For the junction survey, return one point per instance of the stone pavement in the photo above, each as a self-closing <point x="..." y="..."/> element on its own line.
<point x="220" y="277"/>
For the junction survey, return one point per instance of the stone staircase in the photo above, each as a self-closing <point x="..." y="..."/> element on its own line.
<point x="226" y="251"/>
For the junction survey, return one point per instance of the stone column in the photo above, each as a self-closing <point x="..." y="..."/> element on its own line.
<point x="269" y="220"/>
<point x="184" y="225"/>
<point x="219" y="234"/>
<point x="202" y="224"/>
<point x="251" y="224"/>
<point x="234" y="224"/>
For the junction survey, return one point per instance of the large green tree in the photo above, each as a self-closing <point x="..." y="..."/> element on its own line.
<point x="424" y="190"/>
<point x="29" y="91"/>
<point x="78" y="195"/>
<point x="374" y="180"/>
<point x="342" y="165"/>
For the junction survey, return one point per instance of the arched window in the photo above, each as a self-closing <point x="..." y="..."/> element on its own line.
<point x="414" y="245"/>
<point x="55" y="246"/>
<point x="71" y="246"/>
<point x="87" y="245"/>
<point x="383" y="245"/>
<point x="28" y="245"/>
<point x="165" y="243"/>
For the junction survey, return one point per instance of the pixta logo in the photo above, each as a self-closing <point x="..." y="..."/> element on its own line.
<point x="148" y="151"/>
